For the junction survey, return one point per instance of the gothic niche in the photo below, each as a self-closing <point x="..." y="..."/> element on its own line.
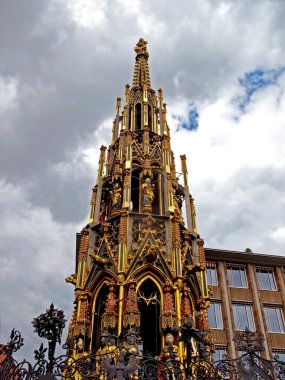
<point x="106" y="202"/>
<point x="147" y="191"/>
<point x="157" y="189"/>
<point x="149" y="306"/>
<point x="138" y="117"/>
<point x="135" y="191"/>
<point x="99" y="309"/>
<point x="105" y="314"/>
<point x="103" y="211"/>
<point x="149" y="117"/>
<point x="116" y="198"/>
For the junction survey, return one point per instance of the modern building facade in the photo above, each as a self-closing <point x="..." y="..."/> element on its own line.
<point x="247" y="290"/>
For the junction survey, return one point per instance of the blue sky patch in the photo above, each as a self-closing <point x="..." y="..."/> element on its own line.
<point x="192" y="123"/>
<point x="257" y="80"/>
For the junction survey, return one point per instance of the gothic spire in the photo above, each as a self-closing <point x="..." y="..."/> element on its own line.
<point x="141" y="71"/>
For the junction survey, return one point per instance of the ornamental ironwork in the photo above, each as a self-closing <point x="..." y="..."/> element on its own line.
<point x="121" y="357"/>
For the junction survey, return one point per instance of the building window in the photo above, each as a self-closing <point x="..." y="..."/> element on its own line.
<point x="237" y="277"/>
<point x="280" y="354"/>
<point x="274" y="319"/>
<point x="279" y="368"/>
<point x="243" y="317"/>
<point x="266" y="280"/>
<point x="219" y="353"/>
<point x="212" y="278"/>
<point x="215" y="316"/>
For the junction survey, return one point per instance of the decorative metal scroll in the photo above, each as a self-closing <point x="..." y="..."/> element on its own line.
<point x="121" y="358"/>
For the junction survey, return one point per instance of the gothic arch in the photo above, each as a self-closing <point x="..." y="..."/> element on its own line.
<point x="194" y="293"/>
<point x="153" y="278"/>
<point x="151" y="272"/>
<point x="138" y="117"/>
<point x="150" y="306"/>
<point x="98" y="307"/>
<point x="138" y="97"/>
<point x="135" y="189"/>
<point x="150" y="117"/>
<point x="158" y="182"/>
<point x="105" y="276"/>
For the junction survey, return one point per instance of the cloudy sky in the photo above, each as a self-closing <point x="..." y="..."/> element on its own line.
<point x="63" y="63"/>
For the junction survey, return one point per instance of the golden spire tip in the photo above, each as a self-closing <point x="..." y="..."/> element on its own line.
<point x="141" y="48"/>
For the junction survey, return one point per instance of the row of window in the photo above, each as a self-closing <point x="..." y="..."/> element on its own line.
<point x="220" y="353"/>
<point x="243" y="317"/>
<point x="237" y="277"/>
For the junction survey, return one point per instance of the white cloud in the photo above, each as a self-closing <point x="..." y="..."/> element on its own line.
<point x="279" y="235"/>
<point x="88" y="13"/>
<point x="8" y="93"/>
<point x="37" y="253"/>
<point x="65" y="66"/>
<point x="84" y="161"/>
<point x="151" y="26"/>
<point x="232" y="164"/>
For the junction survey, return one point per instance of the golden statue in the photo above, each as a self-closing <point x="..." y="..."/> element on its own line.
<point x="147" y="195"/>
<point x="170" y="357"/>
<point x="109" y="350"/>
<point x="116" y="197"/>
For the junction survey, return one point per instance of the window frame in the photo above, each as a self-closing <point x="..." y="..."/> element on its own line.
<point x="219" y="347"/>
<point x="271" y="279"/>
<point x="216" y="305"/>
<point x="279" y="319"/>
<point x="236" y="313"/>
<point x="212" y="268"/>
<point x="278" y="351"/>
<point x="241" y="269"/>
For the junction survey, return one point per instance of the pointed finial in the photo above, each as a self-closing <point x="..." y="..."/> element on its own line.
<point x="141" y="49"/>
<point x="141" y="72"/>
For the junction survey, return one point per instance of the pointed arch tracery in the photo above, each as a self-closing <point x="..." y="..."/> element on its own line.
<point x="100" y="291"/>
<point x="150" y="307"/>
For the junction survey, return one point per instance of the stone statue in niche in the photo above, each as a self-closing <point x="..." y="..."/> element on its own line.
<point x="116" y="197"/>
<point x="147" y="195"/>
<point x="103" y="211"/>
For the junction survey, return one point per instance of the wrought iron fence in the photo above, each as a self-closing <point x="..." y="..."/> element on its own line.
<point x="121" y="361"/>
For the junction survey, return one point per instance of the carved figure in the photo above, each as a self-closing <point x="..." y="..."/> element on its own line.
<point x="130" y="344"/>
<point x="147" y="194"/>
<point x="107" y="352"/>
<point x="188" y="332"/>
<point x="78" y="362"/>
<point x="177" y="210"/>
<point x="130" y="347"/>
<point x="170" y="357"/>
<point x="103" y="210"/>
<point x="116" y="197"/>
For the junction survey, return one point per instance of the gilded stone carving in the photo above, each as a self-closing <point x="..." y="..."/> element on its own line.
<point x="71" y="279"/>
<point x="147" y="195"/>
<point x="136" y="233"/>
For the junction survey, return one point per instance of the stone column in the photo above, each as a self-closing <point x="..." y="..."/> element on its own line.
<point x="226" y="305"/>
<point x="257" y="306"/>
<point x="281" y="283"/>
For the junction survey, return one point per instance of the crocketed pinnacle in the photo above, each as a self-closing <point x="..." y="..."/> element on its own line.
<point x="141" y="72"/>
